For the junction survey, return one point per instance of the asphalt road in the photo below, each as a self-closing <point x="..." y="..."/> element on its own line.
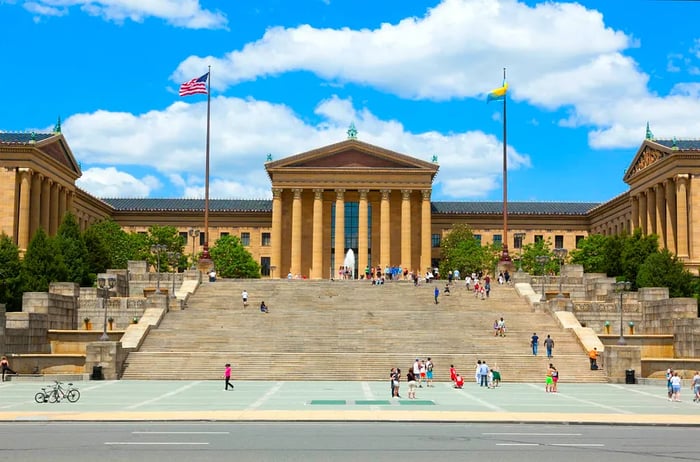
<point x="389" y="441"/>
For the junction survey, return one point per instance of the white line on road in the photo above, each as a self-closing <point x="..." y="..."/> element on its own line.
<point x="533" y="434"/>
<point x="180" y="433"/>
<point x="466" y="394"/>
<point x="633" y="390"/>
<point x="582" y="445"/>
<point x="585" y="401"/>
<point x="266" y="396"/>
<point x="165" y="395"/>
<point x="163" y="443"/>
<point x="517" y="444"/>
<point x="367" y="392"/>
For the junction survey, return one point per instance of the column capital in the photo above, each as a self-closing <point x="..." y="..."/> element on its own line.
<point x="406" y="194"/>
<point x="363" y="193"/>
<point x="277" y="193"/>
<point x="385" y="194"/>
<point x="318" y="193"/>
<point x="340" y="194"/>
<point x="426" y="194"/>
<point x="683" y="177"/>
<point x="297" y="192"/>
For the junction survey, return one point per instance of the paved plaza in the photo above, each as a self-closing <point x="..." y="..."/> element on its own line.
<point x="350" y="401"/>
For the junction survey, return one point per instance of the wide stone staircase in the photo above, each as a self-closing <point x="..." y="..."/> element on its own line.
<point x="351" y="330"/>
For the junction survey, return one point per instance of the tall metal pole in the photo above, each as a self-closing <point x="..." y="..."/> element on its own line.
<point x="205" y="250"/>
<point x="504" y="251"/>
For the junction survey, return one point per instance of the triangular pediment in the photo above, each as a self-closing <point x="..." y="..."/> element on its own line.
<point x="56" y="148"/>
<point x="648" y="154"/>
<point x="351" y="154"/>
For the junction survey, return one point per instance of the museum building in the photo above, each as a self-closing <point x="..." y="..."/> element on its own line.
<point x="355" y="196"/>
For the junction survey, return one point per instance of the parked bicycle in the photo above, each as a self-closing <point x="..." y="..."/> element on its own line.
<point x="57" y="393"/>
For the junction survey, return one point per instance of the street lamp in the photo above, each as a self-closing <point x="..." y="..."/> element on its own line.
<point x="621" y="287"/>
<point x="560" y="255"/>
<point x="106" y="283"/>
<point x="194" y="234"/>
<point x="519" y="239"/>
<point x="157" y="249"/>
<point x="542" y="260"/>
<point x="173" y="259"/>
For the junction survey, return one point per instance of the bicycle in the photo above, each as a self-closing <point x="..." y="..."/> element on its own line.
<point x="57" y="393"/>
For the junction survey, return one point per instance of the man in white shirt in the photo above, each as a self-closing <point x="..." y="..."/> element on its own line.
<point x="244" y="296"/>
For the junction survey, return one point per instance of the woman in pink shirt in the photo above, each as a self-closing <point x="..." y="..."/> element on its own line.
<point x="227" y="376"/>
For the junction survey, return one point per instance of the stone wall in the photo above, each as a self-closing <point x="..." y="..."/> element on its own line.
<point x="122" y="310"/>
<point x="108" y="355"/>
<point x="59" y="304"/>
<point x="27" y="333"/>
<point x="618" y="359"/>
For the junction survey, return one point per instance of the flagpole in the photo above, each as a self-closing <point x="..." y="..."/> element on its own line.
<point x="205" y="251"/>
<point x="504" y="253"/>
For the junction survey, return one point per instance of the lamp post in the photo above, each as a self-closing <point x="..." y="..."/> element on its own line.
<point x="560" y="255"/>
<point x="519" y="239"/>
<point x="621" y="287"/>
<point x="173" y="259"/>
<point x="106" y="283"/>
<point x="542" y="260"/>
<point x="157" y="249"/>
<point x="194" y="234"/>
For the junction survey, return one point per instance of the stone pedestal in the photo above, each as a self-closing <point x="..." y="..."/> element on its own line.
<point x="108" y="355"/>
<point x="618" y="359"/>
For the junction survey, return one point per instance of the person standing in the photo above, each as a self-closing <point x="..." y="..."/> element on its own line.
<point x="227" y="377"/>
<point x="675" y="387"/>
<point x="534" y="343"/>
<point x="696" y="387"/>
<point x="549" y="345"/>
<point x="411" y="380"/>
<point x="548" y="381"/>
<point x="429" y="373"/>
<point x="5" y="365"/>
<point x="416" y="371"/>
<point x="484" y="374"/>
<point x="244" y="296"/>
<point x="555" y="377"/>
<point x="453" y="373"/>
<point x="436" y="293"/>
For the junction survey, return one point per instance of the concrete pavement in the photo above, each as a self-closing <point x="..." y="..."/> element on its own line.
<point x="351" y="401"/>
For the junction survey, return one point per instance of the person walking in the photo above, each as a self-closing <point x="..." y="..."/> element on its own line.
<point x="549" y="345"/>
<point x="227" y="377"/>
<point x="436" y="293"/>
<point x="244" y="296"/>
<point x="5" y="365"/>
<point x="534" y="343"/>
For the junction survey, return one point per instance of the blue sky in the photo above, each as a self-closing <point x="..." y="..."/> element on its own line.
<point x="287" y="76"/>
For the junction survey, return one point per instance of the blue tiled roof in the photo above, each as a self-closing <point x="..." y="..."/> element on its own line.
<point x="189" y="205"/>
<point x="255" y="205"/>
<point x="22" y="138"/>
<point x="683" y="145"/>
<point x="514" y="208"/>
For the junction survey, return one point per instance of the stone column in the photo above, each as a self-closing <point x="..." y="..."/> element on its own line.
<point x="339" y="230"/>
<point x="45" y="204"/>
<point x="406" y="229"/>
<point x="69" y="201"/>
<point x="651" y="212"/>
<point x="296" y="232"/>
<point x="425" y="233"/>
<point x="670" y="189"/>
<point x="385" y="229"/>
<point x="693" y="192"/>
<point x="643" y="212"/>
<point x="35" y="205"/>
<point x="276" y="234"/>
<point x="53" y="220"/>
<point x="660" y="215"/>
<point x="682" y="214"/>
<point x="362" y="232"/>
<point x="25" y="185"/>
<point x="317" y="252"/>
<point x="62" y="199"/>
<point x="634" y="220"/>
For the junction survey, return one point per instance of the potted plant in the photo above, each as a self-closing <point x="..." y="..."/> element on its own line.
<point x="110" y="321"/>
<point x="135" y="320"/>
<point x="86" y="321"/>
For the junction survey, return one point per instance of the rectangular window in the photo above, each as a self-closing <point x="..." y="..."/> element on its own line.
<point x="265" y="266"/>
<point x="435" y="240"/>
<point x="202" y="238"/>
<point x="478" y="238"/>
<point x="518" y="241"/>
<point x="266" y="239"/>
<point x="223" y="233"/>
<point x="245" y="239"/>
<point x="579" y="238"/>
<point x="539" y="238"/>
<point x="498" y="240"/>
<point x="183" y="237"/>
<point x="558" y="241"/>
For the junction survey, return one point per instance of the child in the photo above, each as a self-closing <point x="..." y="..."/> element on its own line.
<point x="453" y="373"/>
<point x="459" y="381"/>
<point x="227" y="377"/>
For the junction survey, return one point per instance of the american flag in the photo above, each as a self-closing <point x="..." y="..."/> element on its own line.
<point x="195" y="86"/>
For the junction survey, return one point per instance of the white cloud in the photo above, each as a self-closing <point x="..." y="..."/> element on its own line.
<point x="172" y="142"/>
<point x="110" y="182"/>
<point x="558" y="55"/>
<point x="181" y="13"/>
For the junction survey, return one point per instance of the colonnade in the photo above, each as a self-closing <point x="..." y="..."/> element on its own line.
<point x="42" y="203"/>
<point x="298" y="241"/>
<point x="664" y="209"/>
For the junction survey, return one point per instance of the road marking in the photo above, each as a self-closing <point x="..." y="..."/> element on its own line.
<point x="517" y="444"/>
<point x="653" y="395"/>
<point x="266" y="396"/>
<point x="161" y="443"/>
<point x="466" y="394"/>
<point x="165" y="395"/>
<point x="585" y="401"/>
<point x="534" y="434"/>
<point x="180" y="433"/>
<point x="369" y="395"/>
<point x="582" y="445"/>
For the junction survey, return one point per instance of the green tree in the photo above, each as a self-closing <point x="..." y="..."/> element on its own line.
<point x="591" y="254"/>
<point x="10" y="267"/>
<point x="614" y="245"/>
<point x="99" y="259"/>
<point x="173" y="242"/>
<point x="232" y="260"/>
<point x="663" y="269"/>
<point x="42" y="264"/>
<point x="120" y="245"/>
<point x="635" y="250"/>
<point x="530" y="252"/>
<point x="460" y="250"/>
<point x="74" y="251"/>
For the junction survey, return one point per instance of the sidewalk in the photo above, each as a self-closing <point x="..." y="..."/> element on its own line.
<point x="350" y="401"/>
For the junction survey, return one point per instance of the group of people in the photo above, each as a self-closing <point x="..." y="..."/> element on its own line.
<point x="673" y="383"/>
<point x="485" y="376"/>
<point x="499" y="327"/>
<point x="263" y="307"/>
<point x="421" y="371"/>
<point x="550" y="383"/>
<point x="548" y="344"/>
